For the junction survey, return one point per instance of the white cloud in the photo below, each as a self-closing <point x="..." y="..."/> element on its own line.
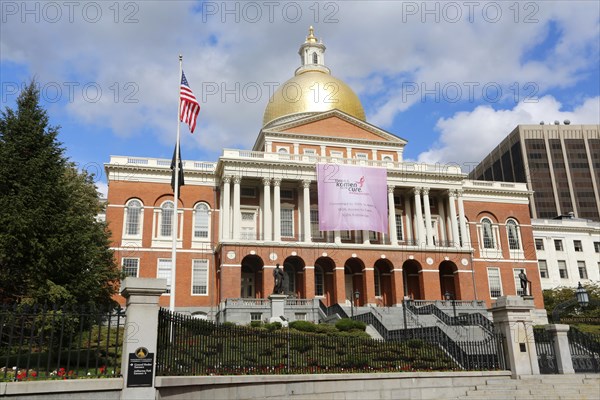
<point x="467" y="137"/>
<point x="139" y="59"/>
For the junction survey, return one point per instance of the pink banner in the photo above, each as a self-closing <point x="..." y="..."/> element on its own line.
<point x="352" y="198"/>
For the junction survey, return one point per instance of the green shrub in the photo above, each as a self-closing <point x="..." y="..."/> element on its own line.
<point x="256" y="324"/>
<point x="273" y="326"/>
<point x="347" y="324"/>
<point x="415" y="343"/>
<point x="304" y="326"/>
<point x="326" y="329"/>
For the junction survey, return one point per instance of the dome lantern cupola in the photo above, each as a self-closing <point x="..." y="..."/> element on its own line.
<point x="312" y="89"/>
<point x="312" y="54"/>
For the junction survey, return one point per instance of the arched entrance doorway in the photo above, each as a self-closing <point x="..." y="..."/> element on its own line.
<point x="383" y="282"/>
<point x="353" y="279"/>
<point x="293" y="268"/>
<point x="412" y="279"/>
<point x="251" y="284"/>
<point x="325" y="280"/>
<point x="448" y="280"/>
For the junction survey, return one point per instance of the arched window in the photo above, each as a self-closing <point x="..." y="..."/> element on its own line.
<point x="315" y="58"/>
<point x="319" y="281"/>
<point x="201" y="221"/>
<point x="512" y="231"/>
<point x="166" y="218"/>
<point x="488" y="234"/>
<point x="133" y="211"/>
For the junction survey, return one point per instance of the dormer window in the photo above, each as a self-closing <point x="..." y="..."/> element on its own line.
<point x="315" y="58"/>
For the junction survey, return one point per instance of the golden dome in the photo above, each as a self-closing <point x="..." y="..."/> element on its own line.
<point x="312" y="89"/>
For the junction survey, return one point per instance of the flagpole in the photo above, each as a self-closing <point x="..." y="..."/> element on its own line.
<point x="176" y="194"/>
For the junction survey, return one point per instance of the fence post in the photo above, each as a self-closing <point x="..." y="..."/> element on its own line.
<point x="512" y="317"/>
<point x="560" y="341"/>
<point x="138" y="360"/>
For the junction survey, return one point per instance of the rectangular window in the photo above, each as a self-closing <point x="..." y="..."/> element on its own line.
<point x="372" y="236"/>
<point x="318" y="282"/>
<point x="577" y="245"/>
<point x="558" y="245"/>
<point x="597" y="247"/>
<point x="131" y="267"/>
<point x="539" y="244"/>
<point x="337" y="154"/>
<point x="562" y="269"/>
<point x="314" y="224"/>
<point x="164" y="272"/>
<point x="399" y="231"/>
<point x="582" y="271"/>
<point x="286" y="194"/>
<point x="494" y="282"/>
<point x="300" y="316"/>
<point x="287" y="222"/>
<point x="166" y="226"/>
<point x="345" y="235"/>
<point x="543" y="266"/>
<point x="255" y="316"/>
<point x="362" y="156"/>
<point x="247" y="192"/>
<point x="200" y="277"/>
<point x="516" y="272"/>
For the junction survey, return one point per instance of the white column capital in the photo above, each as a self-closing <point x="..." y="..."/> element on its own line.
<point x="305" y="183"/>
<point x="391" y="188"/>
<point x="459" y="192"/>
<point x="266" y="181"/>
<point x="276" y="182"/>
<point x="237" y="179"/>
<point x="416" y="191"/>
<point x="226" y="179"/>
<point x="425" y="191"/>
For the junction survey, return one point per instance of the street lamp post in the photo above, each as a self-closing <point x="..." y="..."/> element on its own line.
<point x="581" y="296"/>
<point x="356" y="297"/>
<point x="449" y="296"/>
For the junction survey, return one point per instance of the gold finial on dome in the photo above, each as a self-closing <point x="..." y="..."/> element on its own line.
<point x="311" y="35"/>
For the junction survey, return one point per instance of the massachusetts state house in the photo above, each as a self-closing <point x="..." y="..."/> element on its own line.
<point x="240" y="216"/>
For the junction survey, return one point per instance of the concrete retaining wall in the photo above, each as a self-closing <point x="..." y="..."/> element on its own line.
<point x="75" y="389"/>
<point x="417" y="385"/>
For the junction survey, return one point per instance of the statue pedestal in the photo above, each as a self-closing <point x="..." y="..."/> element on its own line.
<point x="278" y="309"/>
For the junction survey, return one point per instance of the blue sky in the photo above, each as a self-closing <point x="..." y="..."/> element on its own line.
<point x="453" y="78"/>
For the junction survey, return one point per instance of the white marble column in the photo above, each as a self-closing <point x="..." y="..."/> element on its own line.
<point x="365" y="237"/>
<point x="409" y="222"/>
<point x="236" y="216"/>
<point x="427" y="206"/>
<point x="392" y="216"/>
<point x="419" y="224"/>
<point x="337" y="237"/>
<point x="306" y="210"/>
<point x="267" y="234"/>
<point x="453" y="222"/>
<point x="440" y="205"/>
<point x="225" y="229"/>
<point x="462" y="220"/>
<point x="276" y="210"/>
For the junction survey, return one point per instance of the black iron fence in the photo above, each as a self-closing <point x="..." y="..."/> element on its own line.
<point x="188" y="346"/>
<point x="43" y="342"/>
<point x="585" y="350"/>
<point x="544" y="347"/>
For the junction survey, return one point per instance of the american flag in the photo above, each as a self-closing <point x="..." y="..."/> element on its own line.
<point x="188" y="104"/>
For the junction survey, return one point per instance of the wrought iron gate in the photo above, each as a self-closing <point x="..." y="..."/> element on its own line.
<point x="585" y="351"/>
<point x="545" y="351"/>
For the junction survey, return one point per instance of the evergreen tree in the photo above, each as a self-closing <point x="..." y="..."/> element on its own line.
<point x="52" y="249"/>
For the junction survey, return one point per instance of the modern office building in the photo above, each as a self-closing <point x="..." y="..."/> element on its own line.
<point x="560" y="163"/>
<point x="241" y="215"/>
